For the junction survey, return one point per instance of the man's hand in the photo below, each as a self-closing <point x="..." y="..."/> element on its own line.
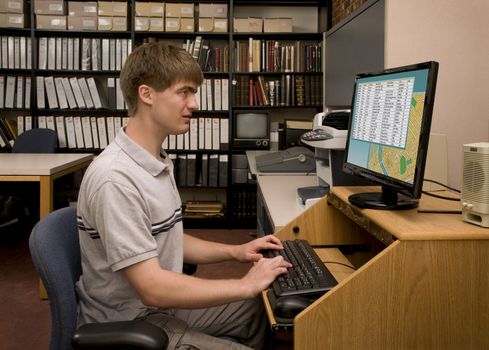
<point x="250" y="252"/>
<point x="264" y="272"/>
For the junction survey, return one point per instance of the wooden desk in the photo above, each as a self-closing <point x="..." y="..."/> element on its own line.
<point x="424" y="286"/>
<point x="43" y="168"/>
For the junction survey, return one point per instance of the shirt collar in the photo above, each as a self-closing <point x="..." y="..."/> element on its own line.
<point x="141" y="156"/>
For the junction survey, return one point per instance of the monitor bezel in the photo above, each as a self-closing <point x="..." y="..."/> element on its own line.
<point x="413" y="190"/>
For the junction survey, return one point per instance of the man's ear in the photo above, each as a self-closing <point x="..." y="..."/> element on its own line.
<point x="145" y="94"/>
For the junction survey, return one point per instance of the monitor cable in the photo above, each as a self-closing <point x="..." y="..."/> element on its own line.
<point x="442" y="197"/>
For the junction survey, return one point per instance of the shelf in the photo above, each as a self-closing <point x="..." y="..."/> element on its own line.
<point x="275" y="73"/>
<point x="82" y="34"/>
<point x="279" y="36"/>
<point x="182" y="35"/>
<point x="307" y="21"/>
<point x="66" y="72"/>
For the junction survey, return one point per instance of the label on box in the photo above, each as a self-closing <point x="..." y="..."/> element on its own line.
<point x="222" y="25"/>
<point x="90" y="9"/>
<point x="89" y="23"/>
<point x="156" y="24"/>
<point x="15" y="19"/>
<point x="14" y="5"/>
<point x="172" y="24"/>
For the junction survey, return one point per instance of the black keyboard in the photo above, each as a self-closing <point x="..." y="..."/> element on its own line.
<point x="308" y="276"/>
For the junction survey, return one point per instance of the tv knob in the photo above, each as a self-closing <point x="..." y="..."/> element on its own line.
<point x="258" y="143"/>
<point x="264" y="143"/>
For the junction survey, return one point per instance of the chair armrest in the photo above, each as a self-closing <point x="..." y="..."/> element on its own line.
<point x="116" y="335"/>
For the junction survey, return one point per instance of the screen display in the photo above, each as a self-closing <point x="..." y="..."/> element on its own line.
<point x="251" y="125"/>
<point x="389" y="132"/>
<point x="386" y="123"/>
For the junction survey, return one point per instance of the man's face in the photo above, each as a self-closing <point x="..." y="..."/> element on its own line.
<point x="173" y="107"/>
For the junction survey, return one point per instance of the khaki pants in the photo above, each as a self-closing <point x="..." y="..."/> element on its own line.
<point x="204" y="329"/>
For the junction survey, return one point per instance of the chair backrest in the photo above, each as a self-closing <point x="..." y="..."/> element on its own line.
<point x="55" y="251"/>
<point x="37" y="140"/>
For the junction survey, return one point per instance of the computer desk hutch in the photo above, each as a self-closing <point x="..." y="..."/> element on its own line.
<point x="422" y="284"/>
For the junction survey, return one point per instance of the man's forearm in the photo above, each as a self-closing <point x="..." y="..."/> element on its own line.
<point x="198" y="251"/>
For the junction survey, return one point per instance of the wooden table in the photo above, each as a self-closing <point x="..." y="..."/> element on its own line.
<point x="43" y="168"/>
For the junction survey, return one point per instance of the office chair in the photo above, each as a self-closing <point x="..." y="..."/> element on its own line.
<point x="37" y="140"/>
<point x="55" y="251"/>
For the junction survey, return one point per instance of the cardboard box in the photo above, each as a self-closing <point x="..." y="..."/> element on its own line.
<point x="12" y="20"/>
<point x="280" y="25"/>
<point x="150" y="9"/>
<point x="175" y="24"/>
<point x="11" y="6"/>
<point x="104" y="22"/>
<point x="112" y="8"/>
<point x="213" y="10"/>
<point x="206" y="24"/>
<point x="51" y="22"/>
<point x="220" y="24"/>
<point x="82" y="23"/>
<point x="104" y="8"/>
<point x="179" y="10"/>
<point x="248" y="25"/>
<point x="119" y="9"/>
<point x="187" y="24"/>
<point x="156" y="24"/>
<point x="119" y="24"/>
<point x="172" y="24"/>
<point x="141" y="24"/>
<point x="49" y="7"/>
<point x="82" y="9"/>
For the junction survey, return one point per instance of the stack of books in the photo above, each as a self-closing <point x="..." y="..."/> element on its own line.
<point x="203" y="209"/>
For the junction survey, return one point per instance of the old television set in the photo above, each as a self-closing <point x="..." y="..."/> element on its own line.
<point x="388" y="134"/>
<point x="251" y="130"/>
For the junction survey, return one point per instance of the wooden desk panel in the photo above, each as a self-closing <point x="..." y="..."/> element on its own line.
<point x="425" y="288"/>
<point x="413" y="295"/>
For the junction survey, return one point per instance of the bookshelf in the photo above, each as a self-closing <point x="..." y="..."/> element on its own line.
<point x="60" y="70"/>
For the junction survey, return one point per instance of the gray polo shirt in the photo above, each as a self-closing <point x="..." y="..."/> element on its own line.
<point x="129" y="210"/>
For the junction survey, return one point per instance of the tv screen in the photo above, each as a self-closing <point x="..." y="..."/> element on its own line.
<point x="251" y="125"/>
<point x="251" y="130"/>
<point x="388" y="134"/>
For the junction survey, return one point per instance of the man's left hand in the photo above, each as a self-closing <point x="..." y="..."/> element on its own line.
<point x="251" y="251"/>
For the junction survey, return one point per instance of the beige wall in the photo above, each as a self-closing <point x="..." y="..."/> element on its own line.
<point x="456" y="34"/>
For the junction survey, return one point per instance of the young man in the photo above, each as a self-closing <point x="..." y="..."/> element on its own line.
<point x="131" y="235"/>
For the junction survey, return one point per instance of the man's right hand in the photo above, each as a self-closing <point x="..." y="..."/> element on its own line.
<point x="264" y="272"/>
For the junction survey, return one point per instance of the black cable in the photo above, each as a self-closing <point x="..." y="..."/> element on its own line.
<point x="443" y="185"/>
<point x="441" y="197"/>
<point x="439" y="211"/>
<point x="339" y="263"/>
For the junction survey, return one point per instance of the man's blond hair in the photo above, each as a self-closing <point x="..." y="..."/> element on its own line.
<point x="158" y="65"/>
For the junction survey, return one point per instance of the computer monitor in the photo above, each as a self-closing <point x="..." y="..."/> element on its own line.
<point x="388" y="134"/>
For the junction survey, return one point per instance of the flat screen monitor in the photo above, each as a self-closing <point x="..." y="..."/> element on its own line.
<point x="251" y="130"/>
<point x="388" y="134"/>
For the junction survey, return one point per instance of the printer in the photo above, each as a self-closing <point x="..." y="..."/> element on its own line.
<point x="328" y="138"/>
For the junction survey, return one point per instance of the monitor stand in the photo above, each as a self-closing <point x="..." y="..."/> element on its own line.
<point x="387" y="199"/>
